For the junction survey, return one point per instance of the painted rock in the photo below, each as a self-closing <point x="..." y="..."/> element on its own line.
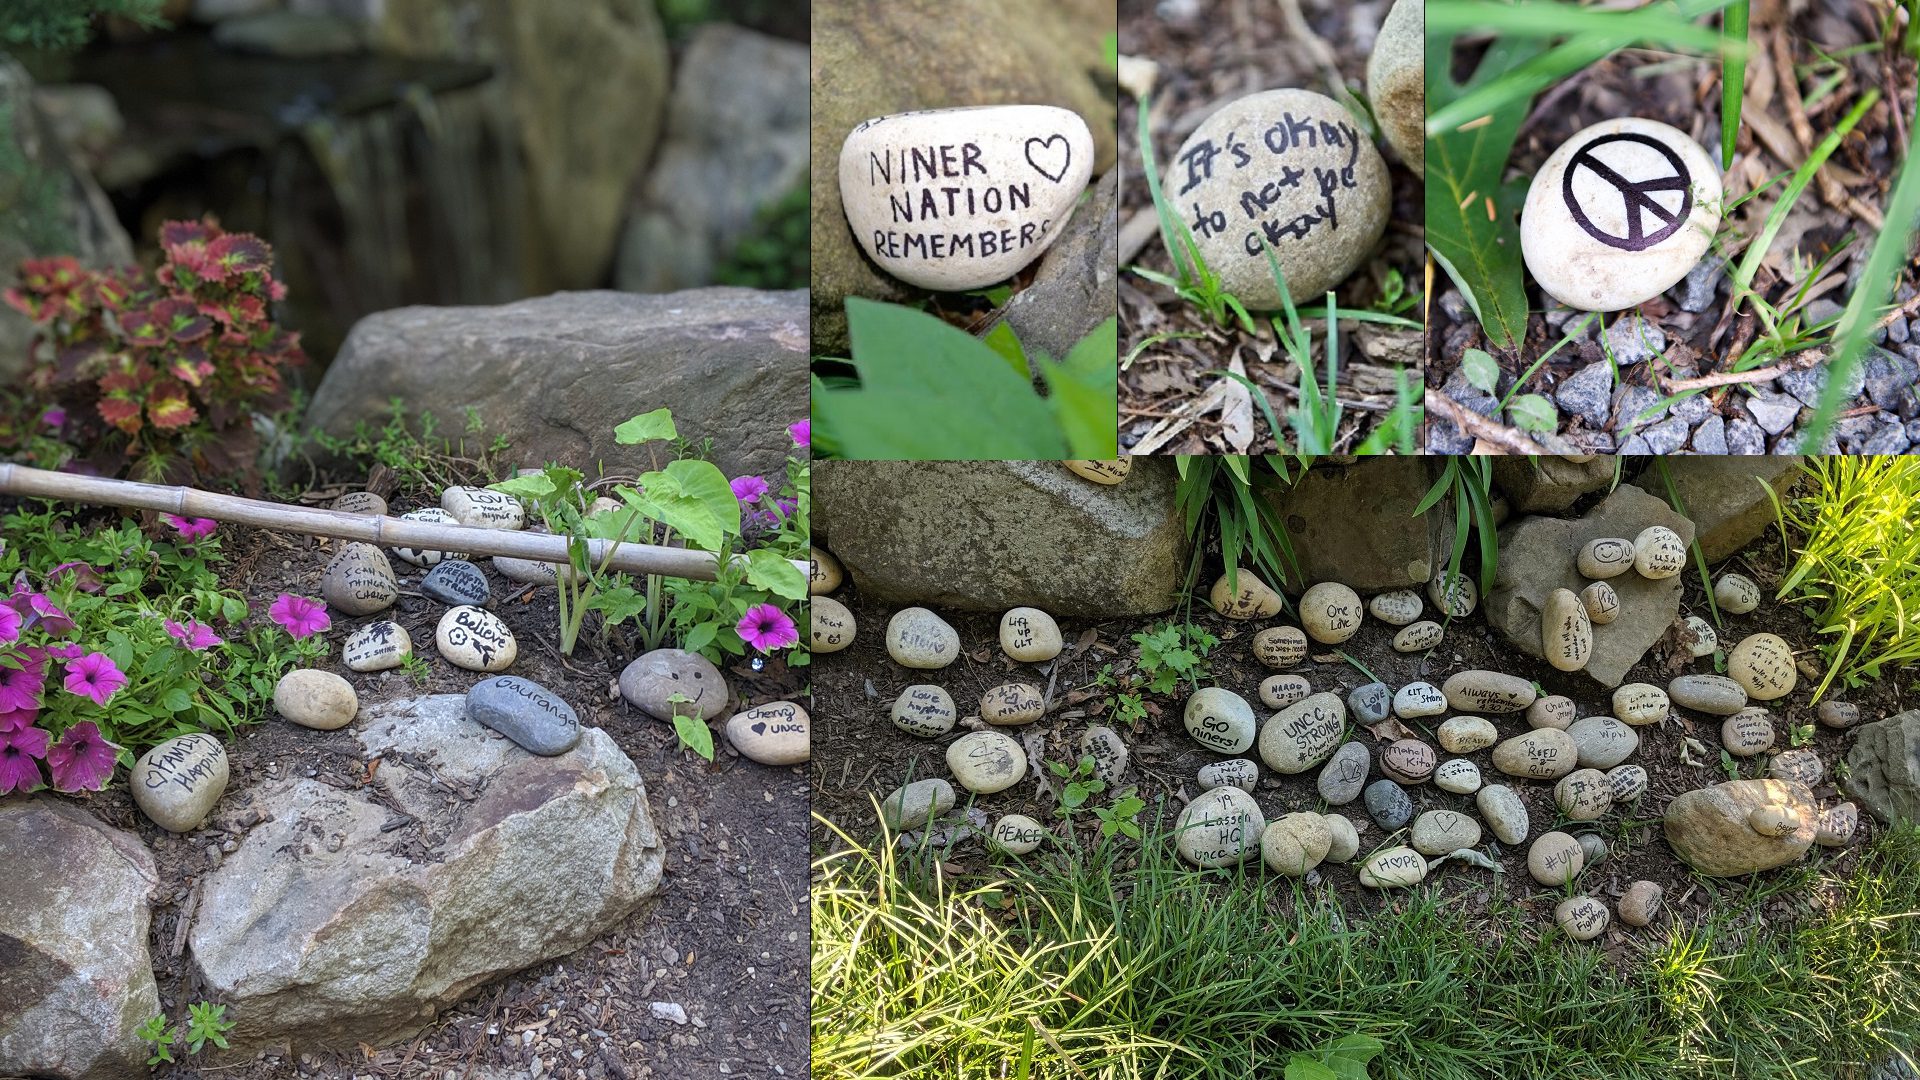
<point x="1705" y="641"/>
<point x="823" y="571"/>
<point x="1467" y="734"/>
<point x="1488" y="692"/>
<point x="1011" y="704"/>
<point x="1220" y="720"/>
<point x="1565" y="630"/>
<point x="1582" y="917"/>
<point x="777" y="733"/>
<point x="1370" y="703"/>
<point x="1736" y="594"/>
<point x="669" y="682"/>
<point x="985" y="762"/>
<point x="924" y="710"/>
<point x="1418" y="637"/>
<point x="484" y="508"/>
<point x="1397" y="608"/>
<point x="1245" y="597"/>
<point x="1107" y="471"/>
<point x="457" y="581"/>
<point x="1295" y="844"/>
<point x="316" y="699"/>
<point x="1438" y="832"/>
<point x="377" y="647"/>
<point x="917" y="638"/>
<point x="1241" y="772"/>
<point x="833" y="625"/>
<point x="1331" y="613"/>
<point x="1280" y="691"/>
<point x="536" y="718"/>
<point x="1601" y="602"/>
<point x="1619" y="213"/>
<point x="916" y="804"/>
<point x="1344" y="774"/>
<point x="955" y="199"/>
<point x="1221" y="827"/>
<point x="1540" y="754"/>
<point x="1016" y="834"/>
<point x="1504" y="813"/>
<point x="1607" y="557"/>
<point x="1763" y="665"/>
<point x="1289" y="171"/>
<point x="1408" y="761"/>
<point x="1280" y="646"/>
<point x="417" y="556"/>
<point x="1029" y="635"/>
<point x="177" y="782"/>
<point x="1418" y="699"/>
<point x="359" y="581"/>
<point x="1303" y="734"/>
<point x="1394" y="868"/>
<point x="360" y="502"/>
<point x="1555" y="859"/>
<point x="475" y="639"/>
<point x="1658" y="553"/>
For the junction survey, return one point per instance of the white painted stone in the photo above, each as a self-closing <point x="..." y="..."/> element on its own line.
<point x="483" y="507"/>
<point x="985" y="762"/>
<point x="1220" y="827"/>
<point x="477" y="640"/>
<point x="1397" y="608"/>
<point x="1658" y="553"/>
<point x="917" y="638"/>
<point x="924" y="710"/>
<point x="1331" y="613"/>
<point x="1736" y="594"/>
<point x="1029" y="635"/>
<point x="177" y="782"/>
<point x="1012" y="704"/>
<point x="1607" y="557"/>
<point x="414" y="556"/>
<point x="956" y="199"/>
<point x="833" y="625"/>
<point x="377" y="647"/>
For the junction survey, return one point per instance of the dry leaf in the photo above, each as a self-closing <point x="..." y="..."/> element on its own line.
<point x="1391" y="730"/>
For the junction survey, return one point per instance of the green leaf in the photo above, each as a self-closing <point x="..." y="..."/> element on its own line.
<point x="692" y="498"/>
<point x="700" y="636"/>
<point x="1001" y="339"/>
<point x="932" y="392"/>
<point x="1083" y="394"/>
<point x="646" y="427"/>
<point x="1302" y="1067"/>
<point x="770" y="571"/>
<point x="1482" y="370"/>
<point x="1533" y="413"/>
<point x="533" y="487"/>
<point x="694" y="734"/>
<point x="177" y="700"/>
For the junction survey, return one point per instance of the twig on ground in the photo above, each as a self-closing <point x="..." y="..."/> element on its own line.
<point x="1480" y="427"/>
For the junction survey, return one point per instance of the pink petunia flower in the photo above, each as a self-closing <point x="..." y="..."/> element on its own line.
<point x="191" y="529"/>
<point x="767" y="628"/>
<point x="19" y="754"/>
<point x="15" y="719"/>
<point x="36" y="610"/>
<point x="95" y="677"/>
<point x="81" y="760"/>
<point x="54" y="417"/>
<point x="193" y="635"/>
<point x="84" y="577"/>
<point x="10" y="623"/>
<point x="301" y="616"/>
<point x="72" y="650"/>
<point x="20" y="686"/>
<point x="748" y="489"/>
<point x="802" y="432"/>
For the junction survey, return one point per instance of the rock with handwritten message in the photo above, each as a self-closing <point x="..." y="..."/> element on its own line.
<point x="417" y="556"/>
<point x="1289" y="171"/>
<point x="1394" y="868"/>
<point x="177" y="782"/>
<point x="955" y="199"/>
<point x="1331" y="612"/>
<point x="483" y="507"/>
<point x="1016" y="834"/>
<point x="1029" y="635"/>
<point x="924" y="710"/>
<point x="1763" y="665"/>
<point x="1220" y="720"/>
<point x="360" y="502"/>
<point x="823" y="571"/>
<point x="666" y="682"/>
<point x="1108" y="471"/>
<point x="1012" y="704"/>
<point x="531" y="715"/>
<point x="377" y="647"/>
<point x="359" y="581"/>
<point x="1303" y="734"/>
<point x="917" y="638"/>
<point x="457" y="581"/>
<point x="833" y="625"/>
<point x="475" y="639"/>
<point x="1220" y="827"/>
<point x="1396" y="81"/>
<point x="985" y="762"/>
<point x="1245" y="596"/>
<point x="1619" y="213"/>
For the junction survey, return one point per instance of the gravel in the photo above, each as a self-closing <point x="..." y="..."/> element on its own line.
<point x="1745" y="437"/>
<point x="1698" y="288"/>
<point x="1633" y="340"/>
<point x="1774" y="413"/>
<point x="1634" y="402"/>
<point x="1588" y="394"/>
<point x="1667" y="436"/>
<point x="1711" y="436"/>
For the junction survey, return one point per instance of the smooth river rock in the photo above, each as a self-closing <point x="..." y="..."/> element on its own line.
<point x="1016" y="834"/>
<point x="1029" y="635"/>
<point x="1418" y="699"/>
<point x="1370" y="703"/>
<point x="1295" y="843"/>
<point x="1540" y="754"/>
<point x="1566" y="631"/>
<point x="1800" y="766"/>
<point x="1500" y="807"/>
<point x="1582" y="917"/>
<point x="316" y="699"/>
<point x="1280" y="646"/>
<point x="1344" y="774"/>
<point x="1488" y="692"/>
<point x="1454" y="594"/>
<point x="416" y="556"/>
<point x="956" y="199"/>
<point x="823" y="571"/>
<point x="365" y="503"/>
<point x="924" y="710"/>
<point x="1604" y="557"/>
<point x="1418" y="637"/>
<point x="177" y="782"/>
<point x="1555" y="859"/>
<point x="1331" y="613"/>
<point x="985" y="762"/>
<point x="1601" y="602"/>
<point x="1220" y="827"/>
<point x="1640" y="704"/>
<point x="457" y="581"/>
<point x="917" y="638"/>
<point x="1602" y="742"/>
<point x="1748" y="732"/>
<point x="916" y="804"/>
<point x="1394" y="868"/>
<point x="1108" y="471"/>
<point x="1012" y="704"/>
<point x="1583" y="795"/>
<point x="1302" y="735"/>
<point x="1714" y="694"/>
<point x="1242" y="773"/>
<point x="1640" y="904"/>
<point x="1554" y="711"/>
<point x="1220" y="720"/>
<point x="1397" y="608"/>
<point x="666" y="682"/>
<point x="1763" y="665"/>
<point x="1736" y="594"/>
<point x="1658" y="553"/>
<point x="1457" y="775"/>
<point x="1467" y="734"/>
<point x="833" y="625"/>
<point x="377" y="646"/>
<point x="1438" y="832"/>
<point x="1109" y="753"/>
<point x="1280" y="691"/>
<point x="475" y="639"/>
<point x="359" y="581"/>
<point x="541" y="723"/>
<point x="483" y="507"/>
<point x="1619" y="213"/>
<point x="1408" y="761"/>
<point x="777" y="733"/>
<point x="1388" y="804"/>
<point x="1246" y="597"/>
<point x="1713" y="828"/>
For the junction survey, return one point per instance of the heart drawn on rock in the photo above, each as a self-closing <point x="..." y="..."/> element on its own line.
<point x="760" y="727"/>
<point x="1045" y="160"/>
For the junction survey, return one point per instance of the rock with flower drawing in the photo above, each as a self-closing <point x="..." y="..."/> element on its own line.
<point x="316" y="699"/>
<point x="359" y="580"/>
<point x="832" y="624"/>
<point x="483" y="507"/>
<point x="823" y="571"/>
<point x="457" y="581"/>
<point x="475" y="639"/>
<point x="177" y="782"/>
<point x="377" y="647"/>
<point x="666" y="682"/>
<point x="419" y="556"/>
<point x="776" y="733"/>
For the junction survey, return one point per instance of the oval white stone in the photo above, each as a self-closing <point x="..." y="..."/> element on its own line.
<point x="924" y="710"/>
<point x="1220" y="720"/>
<point x="985" y="762"/>
<point x="1016" y="834"/>
<point x="475" y="639"/>
<point x="1397" y="608"/>
<point x="1219" y="827"/>
<point x="1029" y="635"/>
<point x="917" y="638"/>
<point x="1607" y="557"/>
<point x="833" y="625"/>
<point x="1331" y="613"/>
<point x="1304" y="734"/>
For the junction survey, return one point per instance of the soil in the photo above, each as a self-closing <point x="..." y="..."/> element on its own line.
<point x="1822" y="248"/>
<point x="725" y="937"/>
<point x="1208" y="56"/>
<point x="859" y="755"/>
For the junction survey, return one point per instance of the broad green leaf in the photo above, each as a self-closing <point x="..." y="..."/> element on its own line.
<point x="1001" y="339"/>
<point x="1306" y="1068"/>
<point x="694" y="734"/>
<point x="700" y="636"/>
<point x="1086" y="408"/>
<point x="646" y="427"/>
<point x="177" y="700"/>
<point x="1482" y="370"/>
<point x="692" y="498"/>
<point x="767" y="570"/>
<point x="1533" y="413"/>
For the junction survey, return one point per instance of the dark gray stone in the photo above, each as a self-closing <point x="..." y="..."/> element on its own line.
<point x="1389" y="805"/>
<point x="457" y="581"/>
<point x="1467" y="395"/>
<point x="1073" y="290"/>
<point x="1636" y="445"/>
<point x="1353" y="523"/>
<point x="1711" y="436"/>
<point x="1371" y="703"/>
<point x="1637" y="407"/>
<point x="1887" y="439"/>
<point x="525" y="712"/>
<point x="1890" y="380"/>
<point x="1445" y="439"/>
<point x="1727" y="499"/>
<point x="1455" y="305"/>
<point x="1692" y="410"/>
<point x="1588" y="394"/>
<point x="1883" y="768"/>
<point x="1698" y="287"/>
<point x="1345" y="773"/>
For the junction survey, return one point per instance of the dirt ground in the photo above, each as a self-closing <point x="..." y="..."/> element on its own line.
<point x="725" y="937"/>
<point x="1700" y="337"/>
<point x="859" y="754"/>
<point x="1208" y="56"/>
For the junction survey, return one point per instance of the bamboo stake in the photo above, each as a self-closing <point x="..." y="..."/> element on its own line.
<point x="631" y="558"/>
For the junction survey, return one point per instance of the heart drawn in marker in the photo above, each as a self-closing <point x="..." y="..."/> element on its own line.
<point x="1042" y="156"/>
<point x="760" y="727"/>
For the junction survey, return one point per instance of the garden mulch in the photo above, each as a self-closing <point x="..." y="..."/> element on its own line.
<point x="859" y="756"/>
<point x="725" y="937"/>
<point x="1702" y="337"/>
<point x="1170" y="399"/>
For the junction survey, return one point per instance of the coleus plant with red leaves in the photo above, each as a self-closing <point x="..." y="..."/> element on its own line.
<point x="159" y="374"/>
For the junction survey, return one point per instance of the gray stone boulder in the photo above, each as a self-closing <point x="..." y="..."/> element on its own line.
<point x="1713" y="828"/>
<point x="992" y="535"/>
<point x="1726" y="497"/>
<point x="1883" y="768"/>
<point x="1537" y="557"/>
<point x="875" y="57"/>
<point x="736" y="140"/>
<point x="1353" y="523"/>
<point x="1550" y="483"/>
<point x="76" y="980"/>
<point x="1073" y="290"/>
<point x="556" y="375"/>
<point x="356" y="916"/>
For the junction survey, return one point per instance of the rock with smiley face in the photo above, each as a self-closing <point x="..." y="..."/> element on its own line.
<point x="668" y="681"/>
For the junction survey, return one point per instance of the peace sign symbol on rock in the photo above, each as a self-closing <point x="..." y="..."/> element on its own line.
<point x="1634" y="193"/>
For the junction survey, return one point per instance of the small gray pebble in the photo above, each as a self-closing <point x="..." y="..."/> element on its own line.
<point x="1744" y="437"/>
<point x="1774" y="413"/>
<point x="1634" y="402"/>
<point x="1634" y="340"/>
<point x="1666" y="436"/>
<point x="1711" y="436"/>
<point x="1588" y="394"/>
<point x="1370" y="703"/>
<point x="1388" y="804"/>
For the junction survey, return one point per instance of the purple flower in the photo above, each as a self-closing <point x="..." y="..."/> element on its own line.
<point x="70" y="651"/>
<point x="191" y="529"/>
<point x="15" y="719"/>
<point x="54" y="417"/>
<point x="767" y="628"/>
<point x="748" y="489"/>
<point x="193" y="635"/>
<point x="19" y="751"/>
<point x="34" y="608"/>
<point x="10" y="622"/>
<point x="84" y="578"/>
<point x="20" y="686"/>
<point x="802" y="432"/>
<point x="301" y="616"/>
<point x="94" y="677"/>
<point x="81" y="760"/>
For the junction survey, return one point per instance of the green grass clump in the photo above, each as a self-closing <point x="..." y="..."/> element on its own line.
<point x="1857" y="524"/>
<point x="1121" y="963"/>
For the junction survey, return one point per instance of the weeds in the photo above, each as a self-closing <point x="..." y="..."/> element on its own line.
<point x="1172" y="654"/>
<point x="1469" y="480"/>
<point x="1233" y="497"/>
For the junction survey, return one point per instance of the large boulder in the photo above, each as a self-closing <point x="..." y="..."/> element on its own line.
<point x="76" y="981"/>
<point x="1537" y="556"/>
<point x="1883" y="768"/>
<point x="353" y="916"/>
<point x="736" y="140"/>
<point x="1726" y="497"/>
<point x="1549" y="483"/>
<point x="555" y="375"/>
<point x="875" y="57"/>
<point x="993" y="535"/>
<point x="1354" y="524"/>
<point x="49" y="205"/>
<point x="1712" y="828"/>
